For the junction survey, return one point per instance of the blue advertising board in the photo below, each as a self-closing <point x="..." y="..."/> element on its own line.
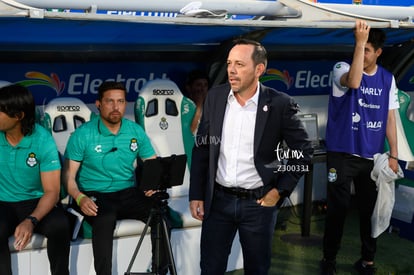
<point x="50" y="80"/>
<point x="300" y="77"/>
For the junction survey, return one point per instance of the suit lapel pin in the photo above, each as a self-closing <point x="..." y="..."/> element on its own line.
<point x="265" y="108"/>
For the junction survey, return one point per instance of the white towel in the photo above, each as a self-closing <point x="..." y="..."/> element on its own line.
<point x="385" y="178"/>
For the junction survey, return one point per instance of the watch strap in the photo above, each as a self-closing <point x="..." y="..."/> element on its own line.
<point x="34" y="220"/>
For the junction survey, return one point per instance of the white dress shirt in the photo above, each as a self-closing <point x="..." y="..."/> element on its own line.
<point x="236" y="159"/>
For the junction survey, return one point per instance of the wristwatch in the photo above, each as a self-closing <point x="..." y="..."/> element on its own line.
<point x="34" y="220"/>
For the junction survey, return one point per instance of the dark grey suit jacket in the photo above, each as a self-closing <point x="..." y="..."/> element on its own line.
<point x="276" y="121"/>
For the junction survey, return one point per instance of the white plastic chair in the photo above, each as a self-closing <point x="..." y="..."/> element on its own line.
<point x="166" y="115"/>
<point x="62" y="116"/>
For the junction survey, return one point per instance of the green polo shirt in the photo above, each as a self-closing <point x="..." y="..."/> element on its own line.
<point x="108" y="161"/>
<point x="21" y="165"/>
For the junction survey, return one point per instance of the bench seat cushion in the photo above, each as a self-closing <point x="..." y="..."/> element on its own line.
<point x="127" y="227"/>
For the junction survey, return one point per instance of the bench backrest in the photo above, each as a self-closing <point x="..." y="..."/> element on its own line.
<point x="166" y="115"/>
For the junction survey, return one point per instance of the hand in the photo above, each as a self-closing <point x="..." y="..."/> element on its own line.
<point x="361" y="31"/>
<point x="393" y="164"/>
<point x="149" y="193"/>
<point x="270" y="199"/>
<point x="23" y="234"/>
<point x="88" y="206"/>
<point x="197" y="209"/>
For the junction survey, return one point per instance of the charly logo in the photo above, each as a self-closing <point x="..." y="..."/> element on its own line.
<point x="163" y="123"/>
<point x="31" y="160"/>
<point x="98" y="148"/>
<point x="371" y="91"/>
<point x="38" y="78"/>
<point x="332" y="176"/>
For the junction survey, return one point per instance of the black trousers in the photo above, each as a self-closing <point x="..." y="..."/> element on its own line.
<point x="129" y="203"/>
<point x="343" y="169"/>
<point x="255" y="225"/>
<point x="55" y="226"/>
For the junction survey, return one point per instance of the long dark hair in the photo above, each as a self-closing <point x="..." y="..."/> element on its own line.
<point x="17" y="101"/>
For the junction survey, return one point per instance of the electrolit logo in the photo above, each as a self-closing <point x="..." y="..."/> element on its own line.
<point x="308" y="79"/>
<point x="304" y="79"/>
<point x="38" y="78"/>
<point x="83" y="84"/>
<point x="274" y="74"/>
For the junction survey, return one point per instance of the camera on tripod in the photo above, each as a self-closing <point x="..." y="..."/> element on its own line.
<point x="162" y="173"/>
<point x="159" y="174"/>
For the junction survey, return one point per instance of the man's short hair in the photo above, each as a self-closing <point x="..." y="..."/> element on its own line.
<point x="259" y="55"/>
<point x="110" y="85"/>
<point x="376" y="38"/>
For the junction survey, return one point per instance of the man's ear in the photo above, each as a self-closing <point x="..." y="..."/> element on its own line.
<point x="260" y="69"/>
<point x="98" y="105"/>
<point x="379" y="51"/>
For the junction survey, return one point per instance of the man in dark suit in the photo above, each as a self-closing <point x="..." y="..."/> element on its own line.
<point x="240" y="171"/>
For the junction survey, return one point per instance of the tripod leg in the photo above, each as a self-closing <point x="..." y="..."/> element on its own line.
<point x="144" y="232"/>
<point x="156" y="259"/>
<point x="168" y="247"/>
<point x="163" y="236"/>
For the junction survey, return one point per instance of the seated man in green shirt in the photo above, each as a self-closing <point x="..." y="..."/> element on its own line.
<point x="99" y="173"/>
<point x="29" y="183"/>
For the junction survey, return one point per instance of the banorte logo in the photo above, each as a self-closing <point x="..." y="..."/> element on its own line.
<point x="38" y="78"/>
<point x="274" y="74"/>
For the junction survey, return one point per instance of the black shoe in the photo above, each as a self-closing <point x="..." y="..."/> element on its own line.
<point x="328" y="267"/>
<point x="364" y="270"/>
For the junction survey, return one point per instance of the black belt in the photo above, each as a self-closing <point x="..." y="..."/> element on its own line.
<point x="242" y="193"/>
